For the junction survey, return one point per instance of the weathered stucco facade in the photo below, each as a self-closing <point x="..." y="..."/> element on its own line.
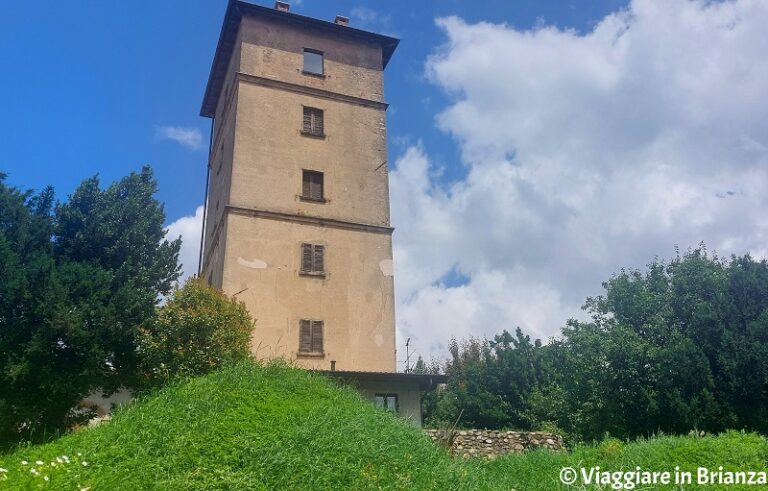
<point x="257" y="213"/>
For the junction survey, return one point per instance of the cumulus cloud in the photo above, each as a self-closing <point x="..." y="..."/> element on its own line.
<point x="189" y="228"/>
<point x="190" y="138"/>
<point x="584" y="153"/>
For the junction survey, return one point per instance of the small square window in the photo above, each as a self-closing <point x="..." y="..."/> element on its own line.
<point x="312" y="185"/>
<point x="313" y="62"/>
<point x="387" y="401"/>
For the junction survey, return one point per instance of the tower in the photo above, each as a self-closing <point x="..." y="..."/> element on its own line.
<point x="297" y="199"/>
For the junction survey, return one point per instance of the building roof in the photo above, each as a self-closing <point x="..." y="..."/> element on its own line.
<point x="426" y="381"/>
<point x="236" y="9"/>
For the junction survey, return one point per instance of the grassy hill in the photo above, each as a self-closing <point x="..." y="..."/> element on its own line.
<point x="275" y="427"/>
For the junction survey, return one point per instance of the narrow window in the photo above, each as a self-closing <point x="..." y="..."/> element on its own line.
<point x="312" y="258"/>
<point x="221" y="159"/>
<point x="312" y="124"/>
<point x="312" y="185"/>
<point x="310" y="336"/>
<point x="313" y="61"/>
<point x="387" y="401"/>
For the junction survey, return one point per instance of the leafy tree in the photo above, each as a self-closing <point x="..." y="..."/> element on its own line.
<point x="420" y="366"/>
<point x="489" y="382"/>
<point x="197" y="331"/>
<point x="678" y="346"/>
<point x="76" y="282"/>
<point x="120" y="230"/>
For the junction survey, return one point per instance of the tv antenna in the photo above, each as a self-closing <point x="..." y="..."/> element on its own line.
<point x="407" y="356"/>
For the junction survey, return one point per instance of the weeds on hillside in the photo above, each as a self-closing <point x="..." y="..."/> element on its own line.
<point x="46" y="474"/>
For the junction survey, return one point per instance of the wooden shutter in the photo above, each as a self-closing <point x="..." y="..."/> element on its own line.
<point x="318" y="265"/>
<point x="316" y="186"/>
<point x="306" y="258"/>
<point x="317" y="127"/>
<point x="317" y="336"/>
<point x="305" y="336"/>
<point x="306" y="184"/>
<point x="313" y="121"/>
<point x="307" y="125"/>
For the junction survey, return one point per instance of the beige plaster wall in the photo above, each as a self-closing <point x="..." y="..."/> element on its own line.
<point x="220" y="161"/>
<point x="276" y="50"/>
<point x="270" y="153"/>
<point x="355" y="299"/>
<point x="408" y="397"/>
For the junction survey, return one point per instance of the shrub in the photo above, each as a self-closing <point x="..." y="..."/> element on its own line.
<point x="196" y="332"/>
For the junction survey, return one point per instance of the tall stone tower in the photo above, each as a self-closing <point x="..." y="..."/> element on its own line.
<point x="297" y="201"/>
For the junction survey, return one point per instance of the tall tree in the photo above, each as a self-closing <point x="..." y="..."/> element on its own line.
<point x="76" y="282"/>
<point x="120" y="230"/>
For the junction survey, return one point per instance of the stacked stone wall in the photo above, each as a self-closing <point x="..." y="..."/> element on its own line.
<point x="490" y="443"/>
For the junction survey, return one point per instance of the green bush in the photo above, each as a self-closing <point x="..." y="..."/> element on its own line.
<point x="198" y="331"/>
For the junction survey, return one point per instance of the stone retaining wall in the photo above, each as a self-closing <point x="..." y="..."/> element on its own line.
<point x="489" y="443"/>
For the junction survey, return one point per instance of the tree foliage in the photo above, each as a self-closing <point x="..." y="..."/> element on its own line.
<point x="197" y="331"/>
<point x="77" y="279"/>
<point x="678" y="346"/>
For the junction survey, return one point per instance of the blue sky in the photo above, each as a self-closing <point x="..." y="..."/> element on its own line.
<point x="536" y="147"/>
<point x="85" y="84"/>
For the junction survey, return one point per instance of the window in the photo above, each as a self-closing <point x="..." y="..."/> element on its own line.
<point x="312" y="185"/>
<point x="387" y="401"/>
<point x="312" y="259"/>
<point x="311" y="336"/>
<point x="221" y="159"/>
<point x="312" y="123"/>
<point x="313" y="61"/>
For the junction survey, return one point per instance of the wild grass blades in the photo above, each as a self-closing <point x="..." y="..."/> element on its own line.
<point x="275" y="427"/>
<point x="44" y="474"/>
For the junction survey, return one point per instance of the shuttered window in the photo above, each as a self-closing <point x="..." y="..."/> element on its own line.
<point x="310" y="336"/>
<point x="312" y="258"/>
<point x="312" y="185"/>
<point x="313" y="122"/>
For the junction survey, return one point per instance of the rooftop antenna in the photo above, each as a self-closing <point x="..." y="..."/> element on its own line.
<point x="407" y="356"/>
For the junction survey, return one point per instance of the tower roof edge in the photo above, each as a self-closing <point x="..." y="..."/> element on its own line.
<point x="237" y="9"/>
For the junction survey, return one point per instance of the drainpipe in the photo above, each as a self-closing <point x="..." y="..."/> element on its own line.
<point x="205" y="203"/>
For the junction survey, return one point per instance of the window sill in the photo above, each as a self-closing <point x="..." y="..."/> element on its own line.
<point x="319" y="136"/>
<point x="312" y="200"/>
<point x="313" y="74"/>
<point x="310" y="354"/>
<point x="313" y="274"/>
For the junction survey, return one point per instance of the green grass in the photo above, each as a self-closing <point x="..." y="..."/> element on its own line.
<point x="536" y="471"/>
<point x="275" y="427"/>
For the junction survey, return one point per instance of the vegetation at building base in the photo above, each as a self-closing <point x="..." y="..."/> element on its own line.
<point x="678" y="346"/>
<point x="197" y="331"/>
<point x="77" y="280"/>
<point x="259" y="427"/>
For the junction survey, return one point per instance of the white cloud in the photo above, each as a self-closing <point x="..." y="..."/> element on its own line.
<point x="190" y="138"/>
<point x="370" y="19"/>
<point x="583" y="154"/>
<point x="365" y="14"/>
<point x="189" y="228"/>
